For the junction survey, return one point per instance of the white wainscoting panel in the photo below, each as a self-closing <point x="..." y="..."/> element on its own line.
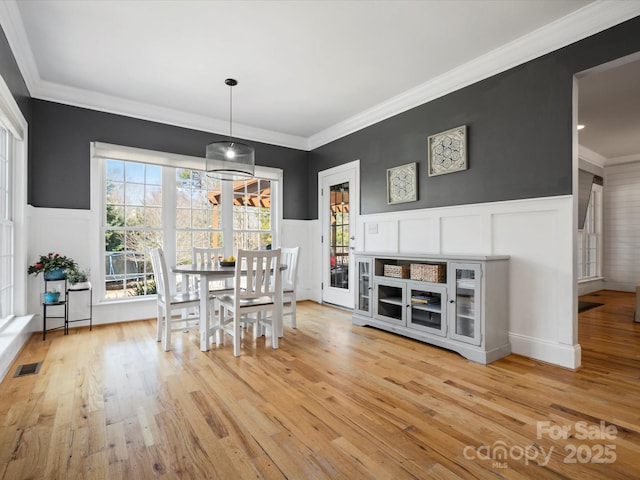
<point x="299" y="233"/>
<point x="536" y="233"/>
<point x="420" y="235"/>
<point x="381" y="234"/>
<point x="455" y="231"/>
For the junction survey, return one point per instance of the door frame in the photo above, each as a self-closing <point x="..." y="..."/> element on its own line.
<point x="354" y="214"/>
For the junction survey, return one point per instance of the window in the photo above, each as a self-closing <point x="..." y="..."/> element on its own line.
<point x="252" y="214"/>
<point x="148" y="202"/>
<point x="6" y="226"/>
<point x="198" y="213"/>
<point x="133" y="226"/>
<point x="590" y="238"/>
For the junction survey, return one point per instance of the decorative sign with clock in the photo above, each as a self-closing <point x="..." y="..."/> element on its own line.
<point x="402" y="183"/>
<point x="448" y="151"/>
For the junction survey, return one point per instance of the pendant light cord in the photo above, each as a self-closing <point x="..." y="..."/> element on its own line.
<point x="230" y="112"/>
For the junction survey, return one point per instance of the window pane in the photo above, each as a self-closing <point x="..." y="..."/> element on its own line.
<point x="153" y="196"/>
<point x="115" y="192"/>
<point x="115" y="171"/>
<point x="198" y="201"/>
<point x="134" y="194"/>
<point x="252" y="214"/>
<point x="183" y="218"/>
<point x="133" y="226"/>
<point x="339" y="235"/>
<point x="265" y="221"/>
<point x="183" y="200"/>
<point x="134" y="172"/>
<point x="253" y="220"/>
<point x="201" y="218"/>
<point x="153" y="217"/>
<point x="153" y="175"/>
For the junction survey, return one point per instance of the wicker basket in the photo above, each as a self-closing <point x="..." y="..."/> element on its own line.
<point x="396" y="271"/>
<point x="428" y="273"/>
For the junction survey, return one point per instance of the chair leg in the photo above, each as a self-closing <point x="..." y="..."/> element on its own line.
<point x="220" y="331"/>
<point x="237" y="334"/>
<point x="159" y="325"/>
<point x="276" y="325"/>
<point x="259" y="326"/>
<point x="166" y="344"/>
<point x="293" y="313"/>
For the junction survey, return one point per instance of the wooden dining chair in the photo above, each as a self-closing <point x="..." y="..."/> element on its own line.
<point x="260" y="293"/>
<point x="208" y="257"/>
<point x="289" y="280"/>
<point x="205" y="256"/>
<point x="168" y="301"/>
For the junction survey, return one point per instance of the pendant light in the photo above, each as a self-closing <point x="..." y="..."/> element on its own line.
<point x="230" y="160"/>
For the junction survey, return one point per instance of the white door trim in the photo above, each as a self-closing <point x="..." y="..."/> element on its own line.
<point x="354" y="202"/>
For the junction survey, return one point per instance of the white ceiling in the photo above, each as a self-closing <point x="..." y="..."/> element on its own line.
<point x="609" y="109"/>
<point x="308" y="71"/>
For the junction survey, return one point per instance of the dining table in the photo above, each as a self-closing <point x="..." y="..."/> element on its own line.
<point x="209" y="273"/>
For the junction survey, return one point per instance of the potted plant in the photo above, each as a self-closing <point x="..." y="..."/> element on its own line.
<point x="53" y="265"/>
<point x="52" y="296"/>
<point x="78" y="279"/>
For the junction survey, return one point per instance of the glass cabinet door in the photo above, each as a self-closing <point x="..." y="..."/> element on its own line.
<point x="465" y="302"/>
<point x="427" y="308"/>
<point x="364" y="267"/>
<point x="389" y="301"/>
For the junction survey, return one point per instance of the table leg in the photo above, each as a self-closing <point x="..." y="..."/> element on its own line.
<point x="204" y="313"/>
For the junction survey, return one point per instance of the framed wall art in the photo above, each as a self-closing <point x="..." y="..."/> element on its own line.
<point x="402" y="183"/>
<point x="448" y="151"/>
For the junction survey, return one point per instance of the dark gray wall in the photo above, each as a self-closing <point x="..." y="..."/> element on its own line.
<point x="13" y="78"/>
<point x="519" y="133"/>
<point x="59" y="162"/>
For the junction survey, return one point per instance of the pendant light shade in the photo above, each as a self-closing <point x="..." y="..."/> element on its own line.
<point x="229" y="159"/>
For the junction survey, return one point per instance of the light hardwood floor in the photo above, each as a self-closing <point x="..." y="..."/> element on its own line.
<point x="335" y="401"/>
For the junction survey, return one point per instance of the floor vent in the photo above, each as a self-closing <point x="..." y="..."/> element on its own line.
<point x="27" y="369"/>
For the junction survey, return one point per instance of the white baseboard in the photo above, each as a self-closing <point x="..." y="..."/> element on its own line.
<point x="556" y="353"/>
<point x="14" y="336"/>
<point x="585" y="288"/>
<point x="620" y="286"/>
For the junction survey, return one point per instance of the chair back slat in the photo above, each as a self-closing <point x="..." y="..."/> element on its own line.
<point x="160" y="272"/>
<point x="205" y="256"/>
<point x="290" y="259"/>
<point x="263" y="276"/>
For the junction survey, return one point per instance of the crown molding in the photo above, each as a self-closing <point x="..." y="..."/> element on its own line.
<point x="55" y="92"/>
<point x="580" y="24"/>
<point x="591" y="19"/>
<point x="13" y="28"/>
<point x="624" y="159"/>
<point x="592" y="157"/>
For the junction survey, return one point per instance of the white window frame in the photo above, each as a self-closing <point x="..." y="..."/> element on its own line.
<point x="7" y="276"/>
<point x="15" y="123"/>
<point x="592" y="230"/>
<point x="101" y="151"/>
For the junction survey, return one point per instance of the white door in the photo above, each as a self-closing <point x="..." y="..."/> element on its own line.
<point x="339" y="194"/>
